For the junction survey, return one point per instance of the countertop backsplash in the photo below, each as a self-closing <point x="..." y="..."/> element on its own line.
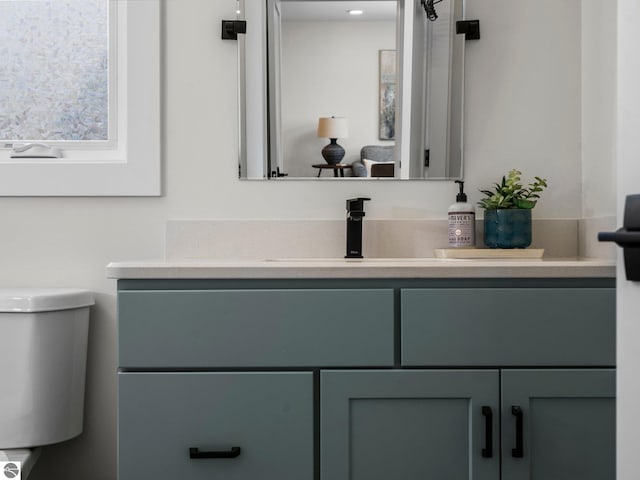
<point x="401" y="238"/>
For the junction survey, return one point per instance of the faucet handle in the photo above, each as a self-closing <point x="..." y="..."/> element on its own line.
<point x="356" y="204"/>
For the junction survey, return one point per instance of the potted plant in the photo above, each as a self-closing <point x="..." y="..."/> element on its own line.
<point x="507" y="217"/>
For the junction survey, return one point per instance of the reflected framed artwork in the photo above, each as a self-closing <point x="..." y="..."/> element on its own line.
<point x="387" y="62"/>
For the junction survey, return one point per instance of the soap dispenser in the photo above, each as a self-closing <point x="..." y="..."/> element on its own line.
<point x="462" y="221"/>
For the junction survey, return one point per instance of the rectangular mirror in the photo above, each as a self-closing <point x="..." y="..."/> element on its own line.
<point x="329" y="94"/>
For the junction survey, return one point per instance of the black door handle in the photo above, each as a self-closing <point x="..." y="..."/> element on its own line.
<point x="518" y="452"/>
<point x="487" y="451"/>
<point x="622" y="237"/>
<point x="628" y="237"/>
<point x="196" y="453"/>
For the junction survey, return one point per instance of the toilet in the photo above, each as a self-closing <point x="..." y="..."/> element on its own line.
<point x="43" y="352"/>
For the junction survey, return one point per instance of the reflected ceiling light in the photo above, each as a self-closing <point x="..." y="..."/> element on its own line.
<point x="355" y="12"/>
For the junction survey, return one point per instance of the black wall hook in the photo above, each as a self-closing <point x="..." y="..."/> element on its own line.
<point x="470" y="29"/>
<point x="231" y="29"/>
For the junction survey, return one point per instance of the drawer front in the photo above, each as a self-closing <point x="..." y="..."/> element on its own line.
<point x="508" y="327"/>
<point x="255" y="328"/>
<point x="269" y="416"/>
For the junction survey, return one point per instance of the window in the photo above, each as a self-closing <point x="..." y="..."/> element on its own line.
<point x="55" y="82"/>
<point x="82" y="76"/>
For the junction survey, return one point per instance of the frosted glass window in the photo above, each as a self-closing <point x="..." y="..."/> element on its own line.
<point x="54" y="70"/>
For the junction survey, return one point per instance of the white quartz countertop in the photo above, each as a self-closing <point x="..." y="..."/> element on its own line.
<point x="363" y="268"/>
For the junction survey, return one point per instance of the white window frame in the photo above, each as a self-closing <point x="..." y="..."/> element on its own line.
<point x="131" y="165"/>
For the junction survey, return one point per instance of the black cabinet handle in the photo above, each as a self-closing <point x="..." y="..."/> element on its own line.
<point x="487" y="451"/>
<point x="233" y="453"/>
<point x="518" y="452"/>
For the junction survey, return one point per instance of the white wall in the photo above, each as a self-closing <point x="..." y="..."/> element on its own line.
<point x="598" y="108"/>
<point x="522" y="103"/>
<point x="628" y="293"/>
<point x="518" y="115"/>
<point x="330" y="68"/>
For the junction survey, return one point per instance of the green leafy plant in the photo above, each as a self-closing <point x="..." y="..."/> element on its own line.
<point x="510" y="193"/>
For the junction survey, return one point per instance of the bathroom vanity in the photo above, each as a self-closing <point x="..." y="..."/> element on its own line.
<point x="339" y="370"/>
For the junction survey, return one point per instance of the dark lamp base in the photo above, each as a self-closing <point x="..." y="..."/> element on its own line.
<point x="333" y="153"/>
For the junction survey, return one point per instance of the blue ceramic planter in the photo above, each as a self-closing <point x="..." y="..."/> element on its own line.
<point x="507" y="228"/>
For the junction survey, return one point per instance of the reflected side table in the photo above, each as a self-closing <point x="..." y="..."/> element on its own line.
<point x="338" y="167"/>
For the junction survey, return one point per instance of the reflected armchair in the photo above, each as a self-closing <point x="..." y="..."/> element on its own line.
<point x="375" y="161"/>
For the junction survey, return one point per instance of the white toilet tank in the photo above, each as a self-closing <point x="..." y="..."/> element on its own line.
<point x="43" y="353"/>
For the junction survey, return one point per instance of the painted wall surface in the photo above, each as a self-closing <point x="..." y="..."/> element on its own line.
<point x="330" y="69"/>
<point x="628" y="293"/>
<point x="522" y="102"/>
<point x="523" y="110"/>
<point x="598" y="108"/>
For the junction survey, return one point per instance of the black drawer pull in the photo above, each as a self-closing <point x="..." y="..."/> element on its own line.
<point x="518" y="452"/>
<point x="487" y="451"/>
<point x="233" y="453"/>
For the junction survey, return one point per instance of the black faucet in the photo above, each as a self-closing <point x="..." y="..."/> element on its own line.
<point x="355" y="212"/>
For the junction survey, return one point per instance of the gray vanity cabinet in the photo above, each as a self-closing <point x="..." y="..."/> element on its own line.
<point x="367" y="379"/>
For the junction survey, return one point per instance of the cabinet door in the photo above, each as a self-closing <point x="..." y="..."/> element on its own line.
<point x="568" y="424"/>
<point x="411" y="425"/>
<point x="162" y="416"/>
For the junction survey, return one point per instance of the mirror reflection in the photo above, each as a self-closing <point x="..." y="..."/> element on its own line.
<point x="350" y="89"/>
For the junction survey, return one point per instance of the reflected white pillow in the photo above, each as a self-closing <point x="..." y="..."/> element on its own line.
<point x="368" y="163"/>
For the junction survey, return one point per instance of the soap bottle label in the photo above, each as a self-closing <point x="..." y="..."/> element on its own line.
<point x="461" y="229"/>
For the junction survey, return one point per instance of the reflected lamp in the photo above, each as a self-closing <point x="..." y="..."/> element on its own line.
<point x="333" y="128"/>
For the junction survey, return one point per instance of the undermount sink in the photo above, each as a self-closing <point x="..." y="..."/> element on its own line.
<point x="366" y="260"/>
<point x="441" y="255"/>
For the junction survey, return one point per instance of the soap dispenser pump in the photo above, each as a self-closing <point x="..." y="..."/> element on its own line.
<point x="462" y="221"/>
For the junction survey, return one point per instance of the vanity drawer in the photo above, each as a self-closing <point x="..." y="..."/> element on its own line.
<point x="269" y="416"/>
<point x="255" y="328"/>
<point x="508" y="327"/>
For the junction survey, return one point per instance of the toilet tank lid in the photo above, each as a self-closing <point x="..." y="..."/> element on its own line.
<point x="43" y="299"/>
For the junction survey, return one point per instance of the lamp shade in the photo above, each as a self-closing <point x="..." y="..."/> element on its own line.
<point x="333" y="127"/>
